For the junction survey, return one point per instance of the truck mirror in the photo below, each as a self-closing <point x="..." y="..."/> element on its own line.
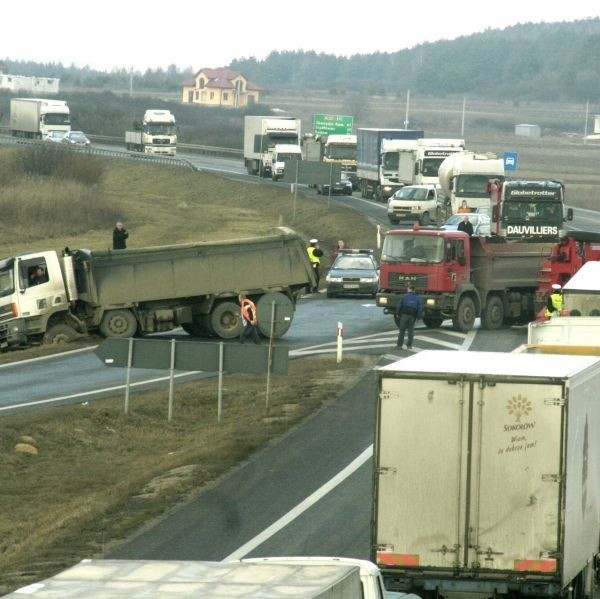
<point x="495" y="214"/>
<point x="570" y="214"/>
<point x="417" y="168"/>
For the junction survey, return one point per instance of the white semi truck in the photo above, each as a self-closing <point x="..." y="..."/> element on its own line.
<point x="36" y="118"/>
<point x="464" y="176"/>
<point x="261" y="578"/>
<point x="487" y="475"/>
<point x="157" y="134"/>
<point x="266" y="136"/>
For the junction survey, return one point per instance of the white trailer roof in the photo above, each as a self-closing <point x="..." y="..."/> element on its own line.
<point x="587" y="278"/>
<point x="492" y="363"/>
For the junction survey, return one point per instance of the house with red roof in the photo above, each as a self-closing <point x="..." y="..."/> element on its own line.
<point x="220" y="87"/>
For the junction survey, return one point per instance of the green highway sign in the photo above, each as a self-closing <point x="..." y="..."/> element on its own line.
<point x="329" y="124"/>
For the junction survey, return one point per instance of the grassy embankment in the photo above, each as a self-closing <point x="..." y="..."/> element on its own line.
<point x="99" y="475"/>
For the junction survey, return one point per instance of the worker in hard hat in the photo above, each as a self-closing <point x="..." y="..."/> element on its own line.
<point x="554" y="303"/>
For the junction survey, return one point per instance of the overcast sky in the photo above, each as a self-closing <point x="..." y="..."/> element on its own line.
<point x="142" y="34"/>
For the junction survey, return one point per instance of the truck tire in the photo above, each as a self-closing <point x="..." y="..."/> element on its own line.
<point x="492" y="315"/>
<point x="284" y="314"/>
<point x="118" y="323"/>
<point x="60" y="333"/>
<point x="433" y="322"/>
<point x="225" y="320"/>
<point x="464" y="316"/>
<point x="424" y="220"/>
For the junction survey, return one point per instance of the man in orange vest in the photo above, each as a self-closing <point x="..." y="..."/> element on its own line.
<point x="249" y="320"/>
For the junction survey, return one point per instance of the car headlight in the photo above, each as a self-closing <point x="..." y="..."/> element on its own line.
<point x="369" y="279"/>
<point x="330" y="279"/>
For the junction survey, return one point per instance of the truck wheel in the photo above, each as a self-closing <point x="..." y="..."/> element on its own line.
<point x="283" y="311"/>
<point x="464" y="317"/>
<point x="433" y="322"/>
<point x="492" y="316"/>
<point x="225" y="320"/>
<point x="118" y="323"/>
<point x="60" y="333"/>
<point x="424" y="220"/>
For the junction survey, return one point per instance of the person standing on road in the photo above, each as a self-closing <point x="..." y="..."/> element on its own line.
<point x="315" y="253"/>
<point x="120" y="236"/>
<point x="466" y="225"/>
<point x="249" y="320"/>
<point x="409" y="308"/>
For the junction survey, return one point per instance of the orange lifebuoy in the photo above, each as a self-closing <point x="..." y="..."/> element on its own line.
<point x="248" y="308"/>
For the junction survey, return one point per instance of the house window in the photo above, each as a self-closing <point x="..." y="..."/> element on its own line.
<point x="203" y="96"/>
<point x="201" y="83"/>
<point x="191" y="96"/>
<point x="212" y="95"/>
<point x="225" y="96"/>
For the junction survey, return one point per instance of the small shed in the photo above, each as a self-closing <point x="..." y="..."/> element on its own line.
<point x="528" y="130"/>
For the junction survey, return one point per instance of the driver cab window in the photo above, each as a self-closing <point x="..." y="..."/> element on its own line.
<point x="34" y="273"/>
<point x="455" y="250"/>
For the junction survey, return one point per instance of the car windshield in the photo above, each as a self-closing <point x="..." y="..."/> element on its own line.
<point x="413" y="248"/>
<point x="456" y="218"/>
<point x="354" y="263"/>
<point x="411" y="193"/>
<point x="77" y="135"/>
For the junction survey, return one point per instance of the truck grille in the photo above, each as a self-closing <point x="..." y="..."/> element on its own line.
<point x="400" y="279"/>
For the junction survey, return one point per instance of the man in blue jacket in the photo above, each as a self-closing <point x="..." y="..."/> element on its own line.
<point x="408" y="309"/>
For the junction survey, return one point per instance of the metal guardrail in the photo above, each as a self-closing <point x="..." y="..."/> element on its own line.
<point x="193" y="148"/>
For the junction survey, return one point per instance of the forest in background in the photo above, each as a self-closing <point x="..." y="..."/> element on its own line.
<point x="525" y="62"/>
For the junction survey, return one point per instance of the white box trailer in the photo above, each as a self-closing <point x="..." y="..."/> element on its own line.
<point x="128" y="579"/>
<point x="487" y="474"/>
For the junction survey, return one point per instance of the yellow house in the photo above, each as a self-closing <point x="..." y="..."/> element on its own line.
<point x="220" y="87"/>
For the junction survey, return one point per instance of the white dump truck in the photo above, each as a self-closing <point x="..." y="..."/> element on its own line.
<point x="487" y="475"/>
<point x="261" y="579"/>
<point x="157" y="134"/>
<point x="119" y="293"/>
<point x="36" y="118"/>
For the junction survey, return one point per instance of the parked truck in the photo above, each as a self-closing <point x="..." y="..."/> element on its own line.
<point x="121" y="293"/>
<point x="530" y="209"/>
<point x="419" y="160"/>
<point x="104" y="579"/>
<point x="261" y="136"/>
<point x="36" y="118"/>
<point x="377" y="156"/>
<point x="487" y="475"/>
<point x="464" y="176"/>
<point x="461" y="277"/>
<point x="157" y="134"/>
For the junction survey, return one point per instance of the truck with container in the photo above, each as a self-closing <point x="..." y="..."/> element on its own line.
<point x="461" y="277"/>
<point x="36" y="118"/>
<point x="298" y="578"/>
<point x="377" y="160"/>
<point x="261" y="136"/>
<point x="487" y="475"/>
<point x="421" y="203"/>
<point x="464" y="177"/>
<point x="156" y="134"/>
<point x="419" y="161"/>
<point x="530" y="209"/>
<point x="121" y="293"/>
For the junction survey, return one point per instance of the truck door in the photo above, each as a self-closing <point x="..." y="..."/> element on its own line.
<point x="41" y="287"/>
<point x="467" y="475"/>
<point x="514" y="477"/>
<point x="419" y="503"/>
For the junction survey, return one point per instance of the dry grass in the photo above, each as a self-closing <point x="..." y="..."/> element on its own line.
<point x="99" y="475"/>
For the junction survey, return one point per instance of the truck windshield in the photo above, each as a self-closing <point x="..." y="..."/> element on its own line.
<point x="391" y="160"/>
<point x="532" y="212"/>
<point x="161" y="128"/>
<point x="412" y="248"/>
<point x="57" y="119"/>
<point x="431" y="166"/>
<point x="471" y="186"/>
<point x="7" y="285"/>
<point x="286" y="157"/>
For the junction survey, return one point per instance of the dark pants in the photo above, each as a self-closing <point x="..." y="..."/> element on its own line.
<point x="406" y="325"/>
<point x="250" y="333"/>
<point x="316" y="269"/>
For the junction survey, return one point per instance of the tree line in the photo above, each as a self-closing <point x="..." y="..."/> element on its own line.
<point x="525" y="62"/>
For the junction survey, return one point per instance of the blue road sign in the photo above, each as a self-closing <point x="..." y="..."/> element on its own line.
<point x="511" y="161"/>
